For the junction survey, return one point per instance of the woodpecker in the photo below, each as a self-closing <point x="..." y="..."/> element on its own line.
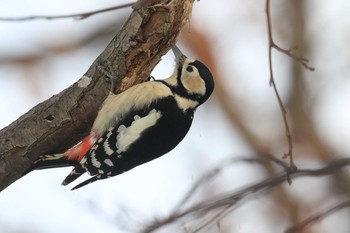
<point x="138" y="125"/>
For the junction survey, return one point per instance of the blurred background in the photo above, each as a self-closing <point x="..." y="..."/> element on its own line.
<point x="242" y="120"/>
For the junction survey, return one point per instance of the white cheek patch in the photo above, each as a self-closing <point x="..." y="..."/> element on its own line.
<point x="129" y="135"/>
<point x="193" y="83"/>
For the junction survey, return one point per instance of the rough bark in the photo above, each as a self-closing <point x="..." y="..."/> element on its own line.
<point x="58" y="123"/>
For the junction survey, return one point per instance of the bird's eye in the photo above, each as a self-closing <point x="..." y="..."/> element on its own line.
<point x="189" y="68"/>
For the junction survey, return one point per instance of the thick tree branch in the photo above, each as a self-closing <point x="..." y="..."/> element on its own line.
<point x="63" y="120"/>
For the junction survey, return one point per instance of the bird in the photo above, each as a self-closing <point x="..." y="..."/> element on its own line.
<point x="138" y="125"/>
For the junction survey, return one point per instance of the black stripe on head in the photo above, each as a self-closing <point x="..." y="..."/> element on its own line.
<point x="206" y="75"/>
<point x="179" y="73"/>
<point x="180" y="89"/>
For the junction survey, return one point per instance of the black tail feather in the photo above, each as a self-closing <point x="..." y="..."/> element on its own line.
<point x="96" y="177"/>
<point x="74" y="174"/>
<point x="60" y="160"/>
<point x="88" y="181"/>
<point x="50" y="161"/>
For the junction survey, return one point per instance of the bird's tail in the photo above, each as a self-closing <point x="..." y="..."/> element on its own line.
<point x="71" y="157"/>
<point x="52" y="161"/>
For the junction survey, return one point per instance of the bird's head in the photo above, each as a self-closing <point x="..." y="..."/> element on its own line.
<point x="193" y="78"/>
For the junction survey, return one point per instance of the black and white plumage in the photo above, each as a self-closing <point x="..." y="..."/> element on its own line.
<point x="140" y="124"/>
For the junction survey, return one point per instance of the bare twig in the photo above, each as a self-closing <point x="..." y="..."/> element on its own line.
<point x="208" y="177"/>
<point x="218" y="169"/>
<point x="211" y="175"/>
<point x="303" y="62"/>
<point x="221" y="214"/>
<point x="232" y="200"/>
<point x="289" y="52"/>
<point x="318" y="217"/>
<point x="78" y="16"/>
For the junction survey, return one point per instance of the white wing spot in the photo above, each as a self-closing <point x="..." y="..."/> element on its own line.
<point x="95" y="162"/>
<point x="121" y="128"/>
<point x="108" y="162"/>
<point x="83" y="160"/>
<point x="130" y="134"/>
<point x="136" y="117"/>
<point x="107" y="148"/>
<point x="120" y="156"/>
<point x="109" y="133"/>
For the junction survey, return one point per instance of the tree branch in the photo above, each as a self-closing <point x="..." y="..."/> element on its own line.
<point x="78" y="16"/>
<point x="303" y="62"/>
<point x="221" y="205"/>
<point x="63" y="120"/>
<point x="318" y="217"/>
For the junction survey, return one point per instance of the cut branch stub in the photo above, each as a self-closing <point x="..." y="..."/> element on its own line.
<point x="145" y="37"/>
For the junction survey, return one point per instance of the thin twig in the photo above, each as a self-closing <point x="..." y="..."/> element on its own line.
<point x="222" y="213"/>
<point x="218" y="169"/>
<point x="317" y="217"/>
<point x="272" y="45"/>
<point x="289" y="52"/>
<point x="208" y="177"/>
<point x="300" y="60"/>
<point x="78" y="16"/>
<point x="275" y="160"/>
<point x="232" y="199"/>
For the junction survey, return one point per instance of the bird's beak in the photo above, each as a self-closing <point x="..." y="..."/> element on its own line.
<point x="180" y="57"/>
